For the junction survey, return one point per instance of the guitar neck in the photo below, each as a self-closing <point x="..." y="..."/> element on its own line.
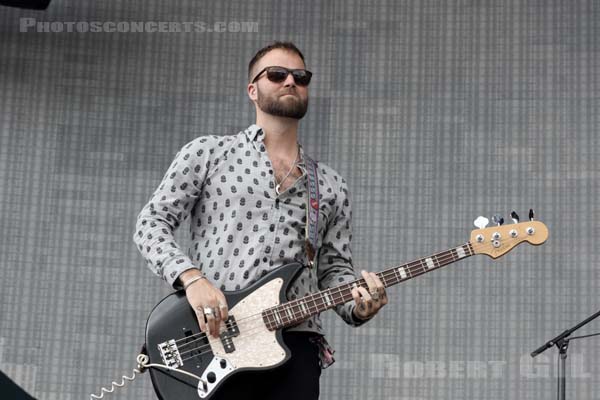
<point x="296" y="311"/>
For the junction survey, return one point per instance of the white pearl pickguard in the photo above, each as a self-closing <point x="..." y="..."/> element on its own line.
<point x="255" y="346"/>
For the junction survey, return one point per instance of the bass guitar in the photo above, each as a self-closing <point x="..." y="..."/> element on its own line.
<point x="195" y="366"/>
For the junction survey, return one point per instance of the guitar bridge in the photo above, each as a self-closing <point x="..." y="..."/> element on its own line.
<point x="170" y="354"/>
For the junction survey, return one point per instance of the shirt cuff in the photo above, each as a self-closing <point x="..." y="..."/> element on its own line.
<point x="356" y="321"/>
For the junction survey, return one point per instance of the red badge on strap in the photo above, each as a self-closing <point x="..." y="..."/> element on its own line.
<point x="314" y="203"/>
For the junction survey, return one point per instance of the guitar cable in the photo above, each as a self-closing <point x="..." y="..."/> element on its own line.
<point x="142" y="365"/>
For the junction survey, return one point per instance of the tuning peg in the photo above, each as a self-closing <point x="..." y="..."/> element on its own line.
<point x="497" y="219"/>
<point x="531" y="214"/>
<point x="481" y="222"/>
<point x="514" y="217"/>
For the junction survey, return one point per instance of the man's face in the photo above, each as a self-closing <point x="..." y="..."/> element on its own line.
<point x="283" y="99"/>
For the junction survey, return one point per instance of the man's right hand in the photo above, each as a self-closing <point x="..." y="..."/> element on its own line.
<point x="204" y="297"/>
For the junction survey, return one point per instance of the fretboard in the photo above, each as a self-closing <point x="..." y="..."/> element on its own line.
<point x="296" y="311"/>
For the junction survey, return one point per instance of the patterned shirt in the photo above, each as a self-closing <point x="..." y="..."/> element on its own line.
<point x="240" y="227"/>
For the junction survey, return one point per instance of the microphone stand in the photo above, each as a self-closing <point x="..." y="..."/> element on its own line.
<point x="562" y="343"/>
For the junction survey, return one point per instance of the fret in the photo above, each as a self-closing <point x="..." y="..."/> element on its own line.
<point x="402" y="272"/>
<point x="429" y="263"/>
<point x="318" y="306"/>
<point x="341" y="293"/>
<point x="303" y="308"/>
<point x="436" y="261"/>
<point x="327" y="299"/>
<point x="421" y="267"/>
<point x="270" y="321"/>
<point x="454" y="254"/>
<point x="289" y="313"/>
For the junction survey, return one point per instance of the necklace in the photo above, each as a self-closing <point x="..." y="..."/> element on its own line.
<point x="278" y="186"/>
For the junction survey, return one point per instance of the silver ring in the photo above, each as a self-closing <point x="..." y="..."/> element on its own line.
<point x="208" y="311"/>
<point x="375" y="295"/>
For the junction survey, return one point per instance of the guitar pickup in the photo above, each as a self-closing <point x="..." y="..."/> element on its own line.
<point x="231" y="330"/>
<point x="170" y="354"/>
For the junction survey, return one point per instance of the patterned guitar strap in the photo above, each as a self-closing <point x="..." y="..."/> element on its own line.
<point x="312" y="212"/>
<point x="311" y="242"/>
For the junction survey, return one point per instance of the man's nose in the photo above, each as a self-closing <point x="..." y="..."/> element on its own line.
<point x="289" y="81"/>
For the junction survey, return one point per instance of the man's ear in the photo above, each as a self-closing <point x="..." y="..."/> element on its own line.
<point x="252" y="92"/>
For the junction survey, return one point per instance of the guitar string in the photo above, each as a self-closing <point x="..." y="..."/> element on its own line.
<point x="414" y="268"/>
<point x="419" y="266"/>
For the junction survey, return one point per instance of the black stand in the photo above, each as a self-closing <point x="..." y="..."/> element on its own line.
<point x="562" y="343"/>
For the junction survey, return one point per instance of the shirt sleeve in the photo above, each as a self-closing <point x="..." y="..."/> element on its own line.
<point x="168" y="207"/>
<point x="334" y="265"/>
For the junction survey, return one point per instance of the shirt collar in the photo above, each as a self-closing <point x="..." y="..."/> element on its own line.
<point x="255" y="132"/>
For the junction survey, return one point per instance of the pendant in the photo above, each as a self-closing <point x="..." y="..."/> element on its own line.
<point x="277" y="189"/>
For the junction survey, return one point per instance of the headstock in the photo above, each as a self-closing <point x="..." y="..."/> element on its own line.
<point x="498" y="240"/>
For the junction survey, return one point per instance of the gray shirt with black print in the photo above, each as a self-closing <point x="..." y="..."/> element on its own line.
<point x="240" y="228"/>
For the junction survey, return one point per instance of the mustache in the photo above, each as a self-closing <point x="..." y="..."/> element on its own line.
<point x="288" y="91"/>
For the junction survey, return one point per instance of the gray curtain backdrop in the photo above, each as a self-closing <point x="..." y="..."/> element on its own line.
<point x="435" y="112"/>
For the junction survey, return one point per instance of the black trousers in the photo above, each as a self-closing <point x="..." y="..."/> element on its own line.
<point x="298" y="379"/>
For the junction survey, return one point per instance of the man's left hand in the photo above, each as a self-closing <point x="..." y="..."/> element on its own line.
<point x="369" y="302"/>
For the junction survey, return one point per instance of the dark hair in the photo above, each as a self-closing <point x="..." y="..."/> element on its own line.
<point x="275" y="45"/>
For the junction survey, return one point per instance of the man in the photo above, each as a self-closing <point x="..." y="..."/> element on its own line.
<point x="247" y="198"/>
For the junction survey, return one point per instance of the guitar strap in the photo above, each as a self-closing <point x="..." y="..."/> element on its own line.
<point x="312" y="212"/>
<point x="311" y="242"/>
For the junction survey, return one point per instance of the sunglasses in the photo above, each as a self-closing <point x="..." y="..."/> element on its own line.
<point x="279" y="74"/>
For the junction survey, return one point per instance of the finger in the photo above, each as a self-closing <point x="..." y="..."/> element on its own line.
<point x="211" y="322"/>
<point x="380" y="288"/>
<point x="200" y="315"/>
<point x="372" y="286"/>
<point x="223" y="308"/>
<point x="378" y="284"/>
<point x="217" y="314"/>
<point x="366" y="296"/>
<point x="384" y="297"/>
<point x="370" y="282"/>
<point x="361" y="307"/>
<point x="358" y="299"/>
<point x="365" y="305"/>
<point x="214" y="320"/>
<point x="355" y="294"/>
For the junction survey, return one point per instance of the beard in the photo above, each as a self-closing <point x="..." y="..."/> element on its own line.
<point x="289" y="107"/>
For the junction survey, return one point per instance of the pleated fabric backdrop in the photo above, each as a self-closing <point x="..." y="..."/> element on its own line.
<point x="434" y="111"/>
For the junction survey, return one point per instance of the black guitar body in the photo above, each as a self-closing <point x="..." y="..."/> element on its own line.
<point x="173" y="327"/>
